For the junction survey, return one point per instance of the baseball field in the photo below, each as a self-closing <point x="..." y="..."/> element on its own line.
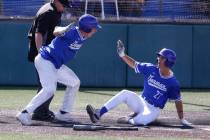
<point x="166" y="127"/>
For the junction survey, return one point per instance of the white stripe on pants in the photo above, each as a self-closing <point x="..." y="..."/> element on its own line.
<point x="146" y="113"/>
<point x="49" y="76"/>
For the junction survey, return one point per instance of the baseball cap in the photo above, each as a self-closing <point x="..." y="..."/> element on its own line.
<point x="65" y="3"/>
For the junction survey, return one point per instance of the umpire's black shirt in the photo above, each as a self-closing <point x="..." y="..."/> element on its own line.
<point x="45" y="21"/>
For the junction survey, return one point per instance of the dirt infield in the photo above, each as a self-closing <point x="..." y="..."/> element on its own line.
<point x="167" y="125"/>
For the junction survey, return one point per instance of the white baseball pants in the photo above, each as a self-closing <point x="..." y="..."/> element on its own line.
<point x="146" y="113"/>
<point x="49" y="76"/>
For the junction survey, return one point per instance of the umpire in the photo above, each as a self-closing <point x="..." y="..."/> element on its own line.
<point x="41" y="34"/>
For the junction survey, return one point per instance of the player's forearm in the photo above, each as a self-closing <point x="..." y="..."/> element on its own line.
<point x="38" y="40"/>
<point x="128" y="60"/>
<point x="179" y="108"/>
<point x="58" y="31"/>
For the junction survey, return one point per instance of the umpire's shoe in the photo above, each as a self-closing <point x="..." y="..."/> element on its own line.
<point x="93" y="113"/>
<point x="24" y="118"/>
<point x="43" y="116"/>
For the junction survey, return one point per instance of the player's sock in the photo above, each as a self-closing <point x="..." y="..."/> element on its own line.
<point x="103" y="110"/>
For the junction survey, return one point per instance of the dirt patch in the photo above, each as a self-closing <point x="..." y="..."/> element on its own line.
<point x="167" y="125"/>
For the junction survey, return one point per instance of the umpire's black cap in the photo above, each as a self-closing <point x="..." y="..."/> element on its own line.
<point x="65" y="3"/>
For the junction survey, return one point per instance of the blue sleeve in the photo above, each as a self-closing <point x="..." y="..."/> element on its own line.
<point x="175" y="93"/>
<point x="142" y="67"/>
<point x="69" y="34"/>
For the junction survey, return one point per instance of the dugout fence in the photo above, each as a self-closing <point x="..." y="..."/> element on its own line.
<point x="142" y="38"/>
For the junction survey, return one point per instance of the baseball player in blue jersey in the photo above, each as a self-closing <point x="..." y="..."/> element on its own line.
<point x="160" y="85"/>
<point x="50" y="64"/>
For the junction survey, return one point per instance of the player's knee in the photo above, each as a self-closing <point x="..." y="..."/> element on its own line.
<point x="49" y="90"/>
<point x="126" y="93"/>
<point x="76" y="83"/>
<point x="122" y="94"/>
<point x="73" y="82"/>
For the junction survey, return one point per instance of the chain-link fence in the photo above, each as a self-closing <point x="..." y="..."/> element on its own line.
<point x="196" y="11"/>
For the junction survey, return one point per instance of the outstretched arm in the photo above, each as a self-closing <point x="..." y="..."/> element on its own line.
<point x="179" y="108"/>
<point x="121" y="52"/>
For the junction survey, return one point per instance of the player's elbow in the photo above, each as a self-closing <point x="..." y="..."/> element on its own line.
<point x="56" y="31"/>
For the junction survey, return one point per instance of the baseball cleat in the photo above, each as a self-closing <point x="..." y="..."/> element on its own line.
<point x="24" y="118"/>
<point x="66" y="117"/>
<point x="43" y="116"/>
<point x="93" y="113"/>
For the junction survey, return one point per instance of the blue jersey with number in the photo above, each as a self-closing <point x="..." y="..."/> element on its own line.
<point x="63" y="48"/>
<point x="157" y="89"/>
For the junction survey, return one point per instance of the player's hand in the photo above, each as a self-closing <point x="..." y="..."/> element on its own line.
<point x="185" y="122"/>
<point x="120" y="48"/>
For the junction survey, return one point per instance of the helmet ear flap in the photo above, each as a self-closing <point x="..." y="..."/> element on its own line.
<point x="169" y="64"/>
<point x="166" y="63"/>
<point x="85" y="29"/>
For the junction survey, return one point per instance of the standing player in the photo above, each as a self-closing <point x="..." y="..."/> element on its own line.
<point x="41" y="34"/>
<point x="50" y="64"/>
<point x="160" y="85"/>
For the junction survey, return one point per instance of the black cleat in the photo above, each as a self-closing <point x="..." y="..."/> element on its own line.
<point x="43" y="116"/>
<point x="93" y="113"/>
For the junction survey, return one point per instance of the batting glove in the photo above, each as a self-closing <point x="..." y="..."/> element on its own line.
<point x="185" y="122"/>
<point x="120" y="48"/>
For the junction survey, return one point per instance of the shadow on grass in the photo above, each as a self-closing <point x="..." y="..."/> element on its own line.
<point x="97" y="93"/>
<point x="200" y="105"/>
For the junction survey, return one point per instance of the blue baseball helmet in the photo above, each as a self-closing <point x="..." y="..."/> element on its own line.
<point x="169" y="55"/>
<point x="87" y="22"/>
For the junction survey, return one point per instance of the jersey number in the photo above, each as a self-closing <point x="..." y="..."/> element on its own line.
<point x="158" y="95"/>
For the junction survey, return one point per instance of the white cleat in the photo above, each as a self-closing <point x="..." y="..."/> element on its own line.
<point x="66" y="117"/>
<point x="24" y="118"/>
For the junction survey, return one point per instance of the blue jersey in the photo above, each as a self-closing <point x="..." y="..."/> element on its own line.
<point x="63" y="48"/>
<point x="157" y="89"/>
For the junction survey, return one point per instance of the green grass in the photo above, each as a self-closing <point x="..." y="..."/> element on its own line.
<point x="16" y="99"/>
<point x="193" y="101"/>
